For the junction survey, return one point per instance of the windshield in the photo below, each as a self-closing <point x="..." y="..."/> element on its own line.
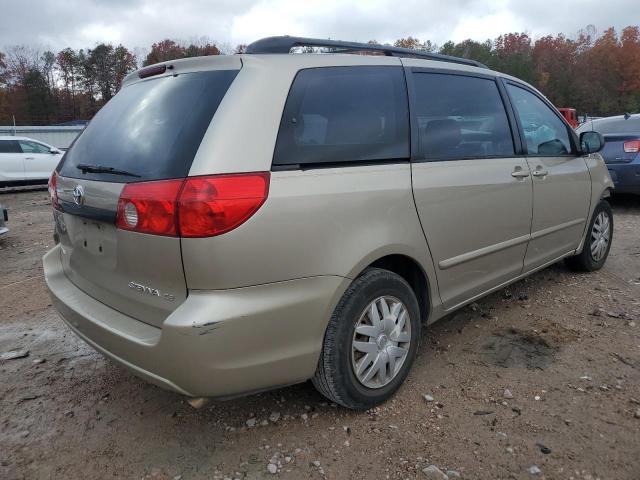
<point x="150" y="129"/>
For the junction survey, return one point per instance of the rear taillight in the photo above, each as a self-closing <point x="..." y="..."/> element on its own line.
<point x="149" y="207"/>
<point x="53" y="190"/>
<point x="193" y="207"/>
<point x="632" y="146"/>
<point x="214" y="205"/>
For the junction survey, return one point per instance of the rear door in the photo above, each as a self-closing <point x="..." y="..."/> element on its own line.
<point x="561" y="180"/>
<point x="39" y="162"/>
<point x="11" y="161"/>
<point x="472" y="192"/>
<point x="150" y="131"/>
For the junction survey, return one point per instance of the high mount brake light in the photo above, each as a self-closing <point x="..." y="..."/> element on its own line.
<point x="151" y="71"/>
<point x="192" y="207"/>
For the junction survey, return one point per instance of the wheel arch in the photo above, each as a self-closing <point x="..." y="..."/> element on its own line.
<point x="413" y="273"/>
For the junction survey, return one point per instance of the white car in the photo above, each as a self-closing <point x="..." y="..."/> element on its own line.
<point x="25" y="161"/>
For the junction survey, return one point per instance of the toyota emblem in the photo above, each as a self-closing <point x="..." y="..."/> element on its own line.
<point x="78" y="195"/>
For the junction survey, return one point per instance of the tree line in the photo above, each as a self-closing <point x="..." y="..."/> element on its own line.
<point x="596" y="74"/>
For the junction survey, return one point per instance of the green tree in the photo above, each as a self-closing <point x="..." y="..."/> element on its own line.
<point x="37" y="96"/>
<point x="479" y="51"/>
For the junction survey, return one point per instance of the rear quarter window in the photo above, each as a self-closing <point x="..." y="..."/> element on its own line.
<point x="344" y="114"/>
<point x="151" y="128"/>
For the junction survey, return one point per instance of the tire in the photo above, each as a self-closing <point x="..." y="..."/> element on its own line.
<point x="587" y="261"/>
<point x="336" y="376"/>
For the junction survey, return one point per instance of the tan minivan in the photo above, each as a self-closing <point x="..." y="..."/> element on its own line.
<point x="232" y="224"/>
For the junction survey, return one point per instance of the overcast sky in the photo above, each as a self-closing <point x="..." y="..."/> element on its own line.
<point x="58" y="24"/>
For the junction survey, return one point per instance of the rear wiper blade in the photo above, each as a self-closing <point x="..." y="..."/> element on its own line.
<point x="85" y="168"/>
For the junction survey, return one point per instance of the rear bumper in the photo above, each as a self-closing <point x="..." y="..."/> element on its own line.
<point x="219" y="343"/>
<point x="626" y="177"/>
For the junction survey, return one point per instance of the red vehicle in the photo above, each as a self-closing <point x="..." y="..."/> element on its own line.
<point x="570" y="115"/>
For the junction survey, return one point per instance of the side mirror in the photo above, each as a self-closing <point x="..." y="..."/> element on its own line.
<point x="591" y="142"/>
<point x="54" y="150"/>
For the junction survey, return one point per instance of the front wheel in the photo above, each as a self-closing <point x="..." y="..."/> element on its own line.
<point x="598" y="241"/>
<point x="370" y="342"/>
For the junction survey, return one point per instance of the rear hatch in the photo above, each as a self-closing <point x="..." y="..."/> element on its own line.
<point x="149" y="131"/>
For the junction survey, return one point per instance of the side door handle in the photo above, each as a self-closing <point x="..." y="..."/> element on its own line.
<point x="520" y="173"/>
<point x="540" y="172"/>
<point x="28" y="158"/>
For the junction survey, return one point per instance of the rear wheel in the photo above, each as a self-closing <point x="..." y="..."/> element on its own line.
<point x="597" y="243"/>
<point x="370" y="342"/>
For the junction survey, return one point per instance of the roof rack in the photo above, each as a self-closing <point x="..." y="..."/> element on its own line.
<point x="284" y="44"/>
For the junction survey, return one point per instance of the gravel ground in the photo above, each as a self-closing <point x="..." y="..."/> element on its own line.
<point x="540" y="380"/>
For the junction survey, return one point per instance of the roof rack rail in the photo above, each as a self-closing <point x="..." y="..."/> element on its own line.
<point x="284" y="44"/>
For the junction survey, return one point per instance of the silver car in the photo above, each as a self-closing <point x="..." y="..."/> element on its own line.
<point x="234" y="224"/>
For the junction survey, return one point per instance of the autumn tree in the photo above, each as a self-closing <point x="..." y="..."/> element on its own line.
<point x="598" y="74"/>
<point x="513" y="55"/>
<point x="415" y="44"/>
<point x="554" y="60"/>
<point x="171" y="50"/>
<point x="629" y="63"/>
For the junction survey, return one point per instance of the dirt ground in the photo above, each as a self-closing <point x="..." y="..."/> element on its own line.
<point x="565" y="345"/>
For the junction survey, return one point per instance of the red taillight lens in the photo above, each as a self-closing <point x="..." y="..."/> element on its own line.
<point x="53" y="190"/>
<point x="149" y="207"/>
<point x="217" y="204"/>
<point x="632" y="146"/>
<point x="193" y="207"/>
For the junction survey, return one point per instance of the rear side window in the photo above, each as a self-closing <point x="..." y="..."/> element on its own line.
<point x="151" y="129"/>
<point x="545" y="134"/>
<point x="33" y="147"/>
<point x="9" y="146"/>
<point x="460" y="117"/>
<point x="344" y="114"/>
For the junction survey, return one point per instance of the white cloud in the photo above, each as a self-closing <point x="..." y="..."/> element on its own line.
<point x="139" y="23"/>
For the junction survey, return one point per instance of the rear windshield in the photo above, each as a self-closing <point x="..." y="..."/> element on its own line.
<point x="617" y="125"/>
<point x="151" y="129"/>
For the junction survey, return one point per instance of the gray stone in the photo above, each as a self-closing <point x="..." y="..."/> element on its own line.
<point x="452" y="474"/>
<point x="427" y="398"/>
<point x="507" y="393"/>
<point x="274" y="417"/>
<point x="534" y="470"/>
<point x="272" y="469"/>
<point x="434" y="473"/>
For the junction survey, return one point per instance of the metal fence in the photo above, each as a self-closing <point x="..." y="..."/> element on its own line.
<point x="57" y="136"/>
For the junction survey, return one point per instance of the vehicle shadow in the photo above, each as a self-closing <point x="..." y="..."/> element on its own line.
<point x="625" y="203"/>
